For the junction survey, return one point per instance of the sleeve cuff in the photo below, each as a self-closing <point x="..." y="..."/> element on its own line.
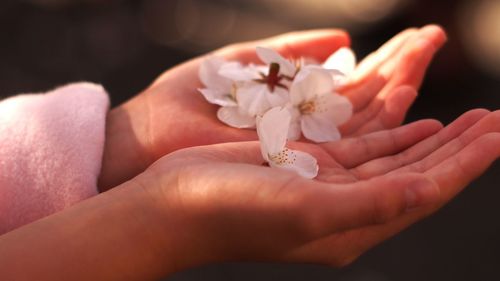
<point x="51" y="148"/>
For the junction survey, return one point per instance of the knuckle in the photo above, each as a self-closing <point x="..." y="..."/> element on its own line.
<point x="365" y="144"/>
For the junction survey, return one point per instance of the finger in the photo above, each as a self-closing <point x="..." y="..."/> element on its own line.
<point x="351" y="152"/>
<point x="365" y="82"/>
<point x="408" y="68"/>
<point x="334" y="208"/>
<point x="451" y="176"/>
<point x="382" y="113"/>
<point x="421" y="150"/>
<point x="416" y="58"/>
<point x="316" y="44"/>
<point x="393" y="111"/>
<point x="488" y="124"/>
<point x="386" y="52"/>
<point x="416" y="47"/>
<point x="460" y="169"/>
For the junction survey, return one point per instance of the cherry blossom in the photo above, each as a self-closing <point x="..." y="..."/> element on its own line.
<point x="305" y="88"/>
<point x="272" y="129"/>
<point x="316" y="110"/>
<point x="222" y="91"/>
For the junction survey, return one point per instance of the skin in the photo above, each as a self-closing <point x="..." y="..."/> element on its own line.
<point x="218" y="203"/>
<point x="171" y="114"/>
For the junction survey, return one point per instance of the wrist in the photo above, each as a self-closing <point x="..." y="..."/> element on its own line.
<point x="185" y="235"/>
<point x="117" y="235"/>
<point x="125" y="153"/>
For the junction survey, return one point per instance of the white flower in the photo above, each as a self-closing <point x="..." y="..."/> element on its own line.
<point x="269" y="56"/>
<point x="316" y="110"/>
<point x="221" y="90"/>
<point x="261" y="91"/>
<point x="272" y="129"/>
<point x="307" y="91"/>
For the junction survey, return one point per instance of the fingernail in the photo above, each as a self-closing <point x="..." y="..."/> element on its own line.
<point x="420" y="193"/>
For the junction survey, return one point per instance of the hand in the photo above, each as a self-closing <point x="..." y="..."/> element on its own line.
<point x="217" y="203"/>
<point x="171" y="114"/>
<point x="221" y="204"/>
<point x="452" y="158"/>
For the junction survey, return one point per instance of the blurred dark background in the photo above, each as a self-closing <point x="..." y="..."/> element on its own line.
<point x="125" y="44"/>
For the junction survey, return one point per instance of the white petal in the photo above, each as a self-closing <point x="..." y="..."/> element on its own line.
<point x="252" y="99"/>
<point x="332" y="110"/>
<point x="294" y="131"/>
<point x="232" y="117"/>
<point x="339" y="109"/>
<point x="237" y="72"/>
<point x="269" y="56"/>
<point x="299" y="162"/>
<point x="279" y="97"/>
<point x="209" y="75"/>
<point x="272" y="129"/>
<point x="343" y="59"/>
<point x="319" y="128"/>
<point x="339" y="79"/>
<point x="310" y="82"/>
<point x="218" y="97"/>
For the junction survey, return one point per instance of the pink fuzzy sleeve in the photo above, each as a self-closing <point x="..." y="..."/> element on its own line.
<point x="51" y="147"/>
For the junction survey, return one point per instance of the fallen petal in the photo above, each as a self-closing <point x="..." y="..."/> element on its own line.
<point x="272" y="129"/>
<point x="299" y="162"/>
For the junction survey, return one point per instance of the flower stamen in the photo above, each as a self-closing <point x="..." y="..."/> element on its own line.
<point x="307" y="107"/>
<point x="273" y="78"/>
<point x="283" y="157"/>
<point x="234" y="89"/>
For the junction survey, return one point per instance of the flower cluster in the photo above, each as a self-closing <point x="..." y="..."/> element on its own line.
<point x="300" y="93"/>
